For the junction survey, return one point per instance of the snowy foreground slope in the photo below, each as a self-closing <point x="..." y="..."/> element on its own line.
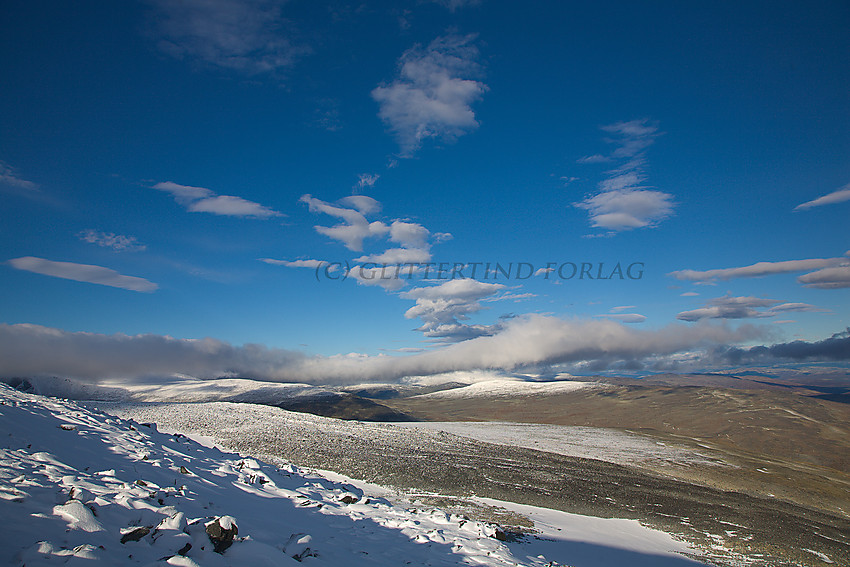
<point x="80" y="487"/>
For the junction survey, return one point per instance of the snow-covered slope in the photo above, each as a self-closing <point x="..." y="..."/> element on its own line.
<point x="80" y="487"/>
<point x="509" y="388"/>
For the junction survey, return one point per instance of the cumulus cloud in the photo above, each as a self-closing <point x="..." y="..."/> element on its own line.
<point x="117" y="242"/>
<point x="530" y="341"/>
<point x="9" y="177"/>
<point x="758" y="269"/>
<point x="623" y="202"/>
<point x="248" y="36"/>
<point x="433" y="94"/>
<point x="728" y="307"/>
<point x="442" y="307"/>
<point x="354" y="228"/>
<point x="203" y="200"/>
<point x="838" y="196"/>
<point x="82" y="273"/>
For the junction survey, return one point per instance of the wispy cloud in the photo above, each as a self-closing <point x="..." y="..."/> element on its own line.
<point x="623" y="202"/>
<point x="355" y="227"/>
<point x="203" y="200"/>
<point x="366" y="180"/>
<point x="838" y="196"/>
<point x="312" y="264"/>
<point x="248" y="36"/>
<point x="760" y="269"/>
<point x="433" y="95"/>
<point x="728" y="307"/>
<point x="117" y="242"/>
<point x="9" y="177"/>
<point x="454" y="5"/>
<point x="82" y="273"/>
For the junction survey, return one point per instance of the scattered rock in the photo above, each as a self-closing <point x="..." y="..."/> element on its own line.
<point x="68" y="426"/>
<point x="221" y="532"/>
<point x="349" y="499"/>
<point x="185" y="549"/>
<point x="134" y="533"/>
<point x="184" y="470"/>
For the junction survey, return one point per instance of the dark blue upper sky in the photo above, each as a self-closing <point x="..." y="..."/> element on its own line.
<point x="186" y="169"/>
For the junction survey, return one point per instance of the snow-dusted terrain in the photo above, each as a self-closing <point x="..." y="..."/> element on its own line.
<point x="80" y="487"/>
<point x="508" y="388"/>
<point x="599" y="443"/>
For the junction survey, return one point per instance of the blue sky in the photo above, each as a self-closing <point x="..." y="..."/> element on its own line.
<point x="172" y="171"/>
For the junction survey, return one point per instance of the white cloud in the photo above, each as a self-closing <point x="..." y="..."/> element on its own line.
<point x="355" y="227"/>
<point x="366" y="180"/>
<point x="622" y="202"/>
<point x="689" y="294"/>
<point x="366" y="205"/>
<point x="595" y="158"/>
<point x="442" y="307"/>
<point x="409" y="234"/>
<point x="118" y="242"/>
<point x="758" y="269"/>
<point x="248" y="36"/>
<point x="433" y="94"/>
<point x="838" y="196"/>
<point x="398" y="256"/>
<point x="82" y="273"/>
<point x="228" y="205"/>
<point x="386" y="277"/>
<point x="10" y="178"/>
<point x="203" y="200"/>
<point x="312" y="264"/>
<point x="529" y="341"/>
<point x="543" y="271"/>
<point x="827" y="278"/>
<point x="621" y="308"/>
<point x="627" y="208"/>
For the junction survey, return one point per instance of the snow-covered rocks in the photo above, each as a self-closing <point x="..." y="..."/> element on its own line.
<point x="112" y="492"/>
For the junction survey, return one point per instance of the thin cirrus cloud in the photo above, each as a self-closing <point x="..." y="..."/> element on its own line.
<point x="83" y="273"/>
<point x="838" y="196"/>
<point x="117" y="242"/>
<point x="433" y="95"/>
<point x="830" y="273"/>
<point x="203" y="200"/>
<point x="247" y="36"/>
<point x="623" y="202"/>
<point x="9" y="177"/>
<point x="366" y="180"/>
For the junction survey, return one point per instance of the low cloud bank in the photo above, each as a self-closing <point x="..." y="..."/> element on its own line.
<point x="835" y="348"/>
<point x="533" y="341"/>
